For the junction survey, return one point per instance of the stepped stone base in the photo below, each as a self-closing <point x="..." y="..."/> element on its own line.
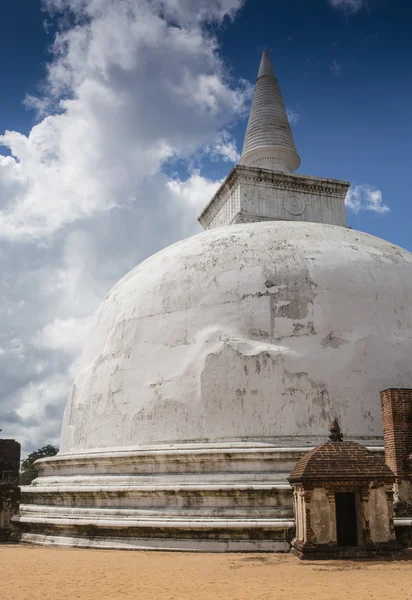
<point x="214" y="498"/>
<point x="352" y="552"/>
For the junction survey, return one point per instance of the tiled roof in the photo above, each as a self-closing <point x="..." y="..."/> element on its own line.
<point x="338" y="460"/>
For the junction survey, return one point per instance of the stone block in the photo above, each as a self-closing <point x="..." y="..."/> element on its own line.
<point x="250" y="194"/>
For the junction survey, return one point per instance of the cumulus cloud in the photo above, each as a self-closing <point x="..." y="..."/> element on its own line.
<point x="365" y="197"/>
<point x="134" y="90"/>
<point x="349" y="6"/>
<point x="84" y="196"/>
<point x="195" y="192"/>
<point x="223" y="149"/>
<point x="67" y="335"/>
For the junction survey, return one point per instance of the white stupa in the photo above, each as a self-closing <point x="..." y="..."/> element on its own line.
<point x="214" y="364"/>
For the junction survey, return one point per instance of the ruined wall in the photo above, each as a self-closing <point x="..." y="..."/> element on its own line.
<point x="9" y="489"/>
<point x="397" y="428"/>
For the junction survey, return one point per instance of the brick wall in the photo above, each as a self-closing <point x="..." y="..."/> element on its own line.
<point x="397" y="429"/>
<point x="9" y="489"/>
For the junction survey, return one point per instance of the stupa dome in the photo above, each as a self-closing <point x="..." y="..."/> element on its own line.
<point x="255" y="332"/>
<point x="214" y="364"/>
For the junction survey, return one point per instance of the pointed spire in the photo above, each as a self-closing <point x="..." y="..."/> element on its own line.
<point x="265" y="65"/>
<point x="269" y="142"/>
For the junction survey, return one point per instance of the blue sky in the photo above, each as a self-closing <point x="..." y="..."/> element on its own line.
<point x="24" y="44"/>
<point x="138" y="118"/>
<point x="347" y="75"/>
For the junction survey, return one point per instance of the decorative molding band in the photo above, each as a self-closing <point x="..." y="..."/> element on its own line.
<point x="303" y="184"/>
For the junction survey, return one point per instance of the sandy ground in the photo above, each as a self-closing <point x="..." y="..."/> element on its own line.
<point x="36" y="573"/>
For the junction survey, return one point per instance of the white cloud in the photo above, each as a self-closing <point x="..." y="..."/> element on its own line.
<point x="365" y="197"/>
<point x="195" y="192"/>
<point x="349" y="6"/>
<point x="223" y="149"/>
<point x="293" y="116"/>
<point x="141" y="90"/>
<point x="67" y="335"/>
<point x="83" y="197"/>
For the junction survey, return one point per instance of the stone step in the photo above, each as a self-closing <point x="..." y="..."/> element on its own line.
<point x="271" y="512"/>
<point x="168" y="533"/>
<point x="167" y="522"/>
<point x="206" y="497"/>
<point x="164" y="479"/>
<point x="182" y="460"/>
<point x="271" y="543"/>
<point x="214" y="498"/>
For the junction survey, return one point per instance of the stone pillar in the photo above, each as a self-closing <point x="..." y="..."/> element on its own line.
<point x="397" y="431"/>
<point x="362" y="515"/>
<point x="9" y="485"/>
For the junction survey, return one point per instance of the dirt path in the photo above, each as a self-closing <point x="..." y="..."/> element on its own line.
<point x="36" y="573"/>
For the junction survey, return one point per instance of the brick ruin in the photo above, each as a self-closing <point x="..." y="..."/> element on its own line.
<point x="9" y="485"/>
<point x="397" y="432"/>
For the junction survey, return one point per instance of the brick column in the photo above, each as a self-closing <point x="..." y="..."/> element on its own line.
<point x="397" y="431"/>
<point x="397" y="428"/>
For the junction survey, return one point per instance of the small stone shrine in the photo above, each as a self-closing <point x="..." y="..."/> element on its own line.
<point x="343" y="501"/>
<point x="9" y="485"/>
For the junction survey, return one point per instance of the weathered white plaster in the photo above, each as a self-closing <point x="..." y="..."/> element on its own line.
<point x="204" y="462"/>
<point x="210" y="497"/>
<point x="157" y="543"/>
<point x="193" y="497"/>
<point x="259" y="332"/>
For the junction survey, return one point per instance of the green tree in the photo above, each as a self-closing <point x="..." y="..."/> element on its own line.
<point x="29" y="472"/>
